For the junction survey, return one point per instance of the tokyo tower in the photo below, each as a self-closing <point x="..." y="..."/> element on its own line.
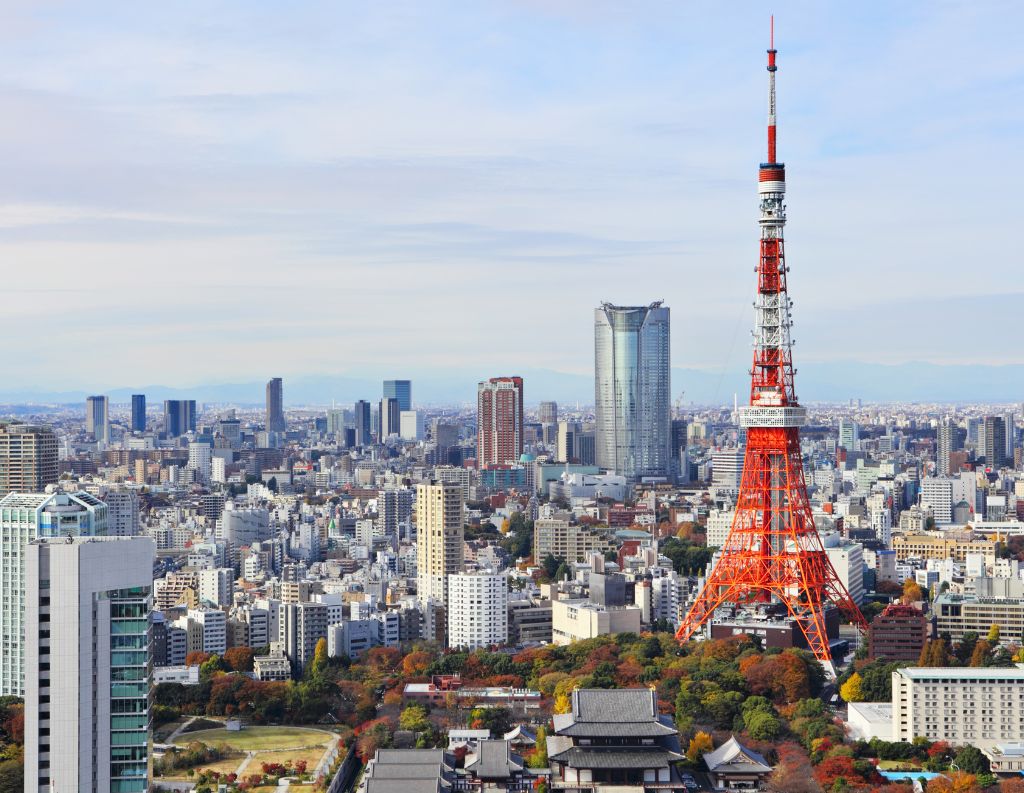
<point x="773" y="553"/>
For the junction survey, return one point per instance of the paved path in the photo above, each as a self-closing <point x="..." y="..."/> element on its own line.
<point x="324" y="765"/>
<point x="245" y="764"/>
<point x="177" y="733"/>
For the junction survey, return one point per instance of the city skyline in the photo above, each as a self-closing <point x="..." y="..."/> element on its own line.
<point x="628" y="152"/>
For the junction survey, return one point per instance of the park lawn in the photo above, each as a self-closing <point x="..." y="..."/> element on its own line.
<point x="255" y="739"/>
<point x="163" y="732"/>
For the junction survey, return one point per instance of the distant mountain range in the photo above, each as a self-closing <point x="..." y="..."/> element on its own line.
<point x="816" y="382"/>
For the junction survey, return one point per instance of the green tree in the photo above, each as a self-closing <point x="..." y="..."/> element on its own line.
<point x="993" y="634"/>
<point x="761" y="726"/>
<point x="971" y="760"/>
<point x="540" y="755"/>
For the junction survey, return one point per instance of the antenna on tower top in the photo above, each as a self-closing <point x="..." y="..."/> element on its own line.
<point x="771" y="37"/>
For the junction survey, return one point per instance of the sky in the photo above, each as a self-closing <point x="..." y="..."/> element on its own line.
<point x="199" y="192"/>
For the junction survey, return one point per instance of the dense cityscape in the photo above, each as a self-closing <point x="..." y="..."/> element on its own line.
<point x="634" y="594"/>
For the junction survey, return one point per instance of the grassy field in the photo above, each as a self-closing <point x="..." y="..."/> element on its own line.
<point x="258" y="739"/>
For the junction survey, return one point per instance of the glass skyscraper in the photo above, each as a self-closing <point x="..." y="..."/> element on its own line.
<point x="400" y="390"/>
<point x="138" y="412"/>
<point x="632" y="390"/>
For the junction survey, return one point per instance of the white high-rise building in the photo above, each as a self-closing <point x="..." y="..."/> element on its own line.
<point x="87" y="664"/>
<point x="847" y="559"/>
<point x="410" y="425"/>
<point x="937" y="493"/>
<point x="24" y="517"/>
<point x="216" y="586"/>
<point x="217" y="470"/>
<point x="477" y="610"/>
<point x="718" y="525"/>
<point x="122" y="512"/>
<point x="200" y="460"/>
<point x="727" y="469"/>
<point x="211" y="627"/>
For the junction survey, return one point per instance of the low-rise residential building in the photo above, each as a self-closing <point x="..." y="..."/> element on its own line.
<point x="576" y="620"/>
<point x="272" y="667"/>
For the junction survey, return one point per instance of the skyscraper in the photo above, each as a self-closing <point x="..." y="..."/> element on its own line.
<point x="87" y="664"/>
<point x="632" y="389"/>
<point x="389" y="417"/>
<point x="24" y="517"/>
<point x="275" y="406"/>
<point x="138" y="412"/>
<point x="28" y="458"/>
<point x="179" y="417"/>
<point x="548" y="413"/>
<point x="97" y="418"/>
<point x="945" y="444"/>
<point x="499" y="421"/>
<point x="364" y="428"/>
<point x="849" y="435"/>
<point x="439" y="538"/>
<point x="994" y="447"/>
<point x="400" y="390"/>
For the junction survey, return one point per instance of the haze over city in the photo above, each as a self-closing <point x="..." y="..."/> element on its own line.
<point x="339" y="187"/>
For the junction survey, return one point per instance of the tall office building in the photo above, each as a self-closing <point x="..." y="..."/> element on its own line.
<point x="727" y="469"/>
<point x="632" y="389"/>
<point x="400" y="390"/>
<point x="97" y="418"/>
<point x="87" y="664"/>
<point x="565" y="448"/>
<point x="994" y="446"/>
<point x="364" y="429"/>
<point x="849" y="435"/>
<point x="499" y="421"/>
<point x="138" y="412"/>
<point x="548" y="413"/>
<point x="945" y="444"/>
<point x="389" y="417"/>
<point x="275" y="406"/>
<point x="28" y="458"/>
<point x="445" y="437"/>
<point x="477" y="610"/>
<point x="179" y="417"/>
<point x="25" y="517"/>
<point x="439" y="538"/>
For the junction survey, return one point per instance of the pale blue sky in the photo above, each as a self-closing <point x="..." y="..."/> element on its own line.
<point x="206" y="192"/>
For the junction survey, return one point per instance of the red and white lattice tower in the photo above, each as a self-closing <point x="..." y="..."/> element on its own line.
<point x="773" y="553"/>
